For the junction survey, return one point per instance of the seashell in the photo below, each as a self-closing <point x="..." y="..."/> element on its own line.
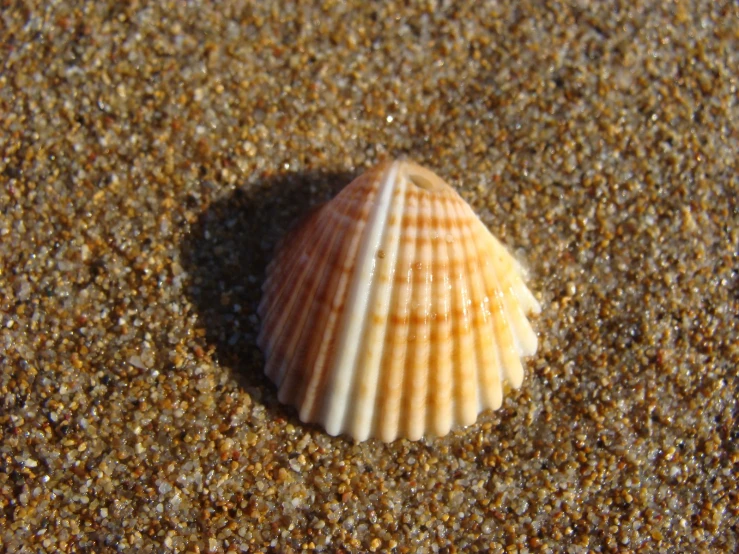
<point x="391" y="311"/>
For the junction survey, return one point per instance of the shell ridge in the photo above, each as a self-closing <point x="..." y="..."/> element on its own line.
<point x="343" y="363"/>
<point x="521" y="329"/>
<point x="276" y="320"/>
<point x="275" y="275"/>
<point x="491" y="372"/>
<point x="523" y="293"/>
<point x="492" y="386"/>
<point x="448" y="322"/>
<point x="439" y="417"/>
<point x="468" y="363"/>
<point x="525" y="299"/>
<point x="280" y="321"/>
<point x="458" y="307"/>
<point x="495" y="309"/>
<point x="277" y="286"/>
<point x="365" y="389"/>
<point x="303" y="319"/>
<point x="330" y="314"/>
<point x="455" y="346"/>
<point x="494" y="394"/>
<point x="416" y="392"/>
<point x="409" y="357"/>
<point x="395" y="372"/>
<point x="510" y="363"/>
<point x="510" y="280"/>
<point x="283" y="245"/>
<point x="321" y="220"/>
<point x="483" y="380"/>
<point x="492" y="294"/>
<point x="523" y="335"/>
<point x="282" y="304"/>
<point x="326" y="251"/>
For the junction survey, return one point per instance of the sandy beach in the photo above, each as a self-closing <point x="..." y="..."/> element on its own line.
<point x="153" y="154"/>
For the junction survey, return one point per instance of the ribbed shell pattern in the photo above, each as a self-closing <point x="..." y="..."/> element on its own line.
<point x="391" y="311"/>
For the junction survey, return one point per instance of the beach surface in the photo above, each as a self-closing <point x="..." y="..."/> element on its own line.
<point x="152" y="155"/>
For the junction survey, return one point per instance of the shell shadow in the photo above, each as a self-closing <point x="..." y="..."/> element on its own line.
<point x="225" y="255"/>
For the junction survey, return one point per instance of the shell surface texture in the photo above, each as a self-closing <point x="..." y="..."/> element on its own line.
<point x="392" y="312"/>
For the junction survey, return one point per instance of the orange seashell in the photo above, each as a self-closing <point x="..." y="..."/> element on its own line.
<point x="391" y="311"/>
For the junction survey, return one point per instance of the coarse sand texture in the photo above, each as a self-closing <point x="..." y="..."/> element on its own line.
<point x="154" y="154"/>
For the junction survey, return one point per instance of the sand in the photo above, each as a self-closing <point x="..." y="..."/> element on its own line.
<point x="152" y="155"/>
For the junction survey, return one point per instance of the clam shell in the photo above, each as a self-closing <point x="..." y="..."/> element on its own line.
<point x="391" y="311"/>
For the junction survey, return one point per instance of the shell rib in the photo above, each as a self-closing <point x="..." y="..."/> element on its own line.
<point x="391" y="311"/>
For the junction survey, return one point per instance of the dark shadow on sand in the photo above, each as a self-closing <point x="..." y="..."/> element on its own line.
<point x="226" y="254"/>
